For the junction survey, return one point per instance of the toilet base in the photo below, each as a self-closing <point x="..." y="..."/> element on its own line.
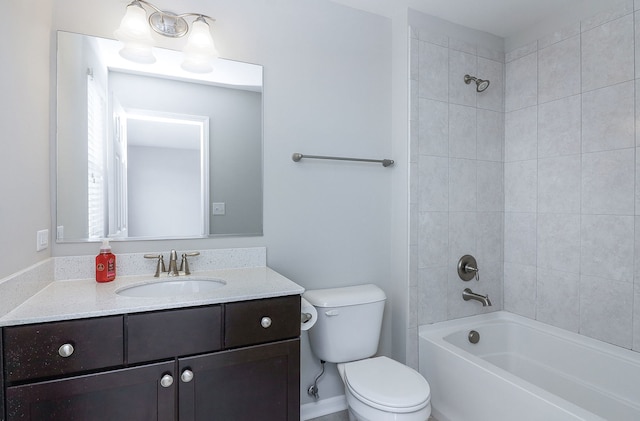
<point x="358" y="411"/>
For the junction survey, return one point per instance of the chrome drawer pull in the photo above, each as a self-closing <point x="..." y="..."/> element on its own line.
<point x="166" y="380"/>
<point x="186" y="376"/>
<point x="65" y="350"/>
<point x="265" y="322"/>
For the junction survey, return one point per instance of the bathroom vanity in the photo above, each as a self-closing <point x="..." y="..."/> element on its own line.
<point x="226" y="355"/>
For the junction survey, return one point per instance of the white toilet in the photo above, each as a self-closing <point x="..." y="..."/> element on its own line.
<point x="347" y="332"/>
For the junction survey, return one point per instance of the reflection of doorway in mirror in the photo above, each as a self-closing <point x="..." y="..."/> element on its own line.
<point x="117" y="153"/>
<point x="167" y="174"/>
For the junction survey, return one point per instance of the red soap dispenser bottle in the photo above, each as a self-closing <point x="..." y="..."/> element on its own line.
<point x="105" y="263"/>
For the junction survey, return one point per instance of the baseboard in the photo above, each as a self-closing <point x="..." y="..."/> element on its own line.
<point x="323" y="407"/>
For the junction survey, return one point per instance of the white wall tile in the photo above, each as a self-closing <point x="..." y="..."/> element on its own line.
<point x="608" y="182"/>
<point x="559" y="70"/>
<point x="636" y="319"/>
<point x="462" y="131"/>
<point x="608" y="54"/>
<point x="560" y="127"/>
<point x="559" y="35"/>
<point x="490" y="135"/>
<point x="462" y="237"/>
<point x="493" y="97"/>
<point x="433" y="183"/>
<point x="521" y="134"/>
<point x="520" y="289"/>
<point x="607" y="247"/>
<point x="434" y="72"/>
<point x="520" y="52"/>
<point x="434" y="128"/>
<point x="558" y="299"/>
<point x="520" y="186"/>
<point x="490" y="190"/>
<point x="462" y="185"/>
<point x="559" y="183"/>
<point x="620" y="9"/>
<point x="606" y="310"/>
<point x="558" y="242"/>
<point x="433" y="243"/>
<point x="520" y="238"/>
<point x="490" y="239"/>
<point x="521" y="83"/>
<point x="608" y="118"/>
<point x="461" y="64"/>
<point x="432" y="290"/>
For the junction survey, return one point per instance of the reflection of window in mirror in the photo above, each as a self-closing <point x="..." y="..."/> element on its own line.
<point x="96" y="138"/>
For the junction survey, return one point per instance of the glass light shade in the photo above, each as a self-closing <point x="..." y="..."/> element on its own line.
<point x="200" y="51"/>
<point x="135" y="34"/>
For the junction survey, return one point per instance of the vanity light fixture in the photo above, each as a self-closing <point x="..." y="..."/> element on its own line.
<point x="135" y="34"/>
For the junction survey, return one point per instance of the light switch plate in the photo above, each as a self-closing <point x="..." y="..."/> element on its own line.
<point x="218" y="208"/>
<point x="42" y="240"/>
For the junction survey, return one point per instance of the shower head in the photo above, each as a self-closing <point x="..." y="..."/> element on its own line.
<point x="481" y="85"/>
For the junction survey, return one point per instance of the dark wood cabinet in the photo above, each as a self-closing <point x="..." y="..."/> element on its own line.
<point x="242" y="385"/>
<point x="162" y="366"/>
<point x="132" y="394"/>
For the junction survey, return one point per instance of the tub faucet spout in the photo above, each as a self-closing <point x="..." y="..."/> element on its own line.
<point x="467" y="295"/>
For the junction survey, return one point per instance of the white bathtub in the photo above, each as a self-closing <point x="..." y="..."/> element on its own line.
<point x="525" y="370"/>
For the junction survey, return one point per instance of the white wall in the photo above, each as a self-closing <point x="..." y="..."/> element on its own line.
<point x="24" y="83"/>
<point x="327" y="92"/>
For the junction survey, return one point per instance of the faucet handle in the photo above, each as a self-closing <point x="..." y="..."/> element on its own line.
<point x="184" y="264"/>
<point x="160" y="266"/>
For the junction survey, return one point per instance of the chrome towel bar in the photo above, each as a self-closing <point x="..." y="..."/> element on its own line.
<point x="385" y="162"/>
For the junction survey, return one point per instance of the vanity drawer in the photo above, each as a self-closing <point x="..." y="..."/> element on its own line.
<point x="259" y="321"/>
<point x="173" y="333"/>
<point x="53" y="349"/>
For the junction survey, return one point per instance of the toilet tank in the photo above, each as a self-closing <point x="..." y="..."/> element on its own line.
<point x="348" y="324"/>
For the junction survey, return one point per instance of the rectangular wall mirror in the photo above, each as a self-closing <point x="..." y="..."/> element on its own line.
<point x="149" y="151"/>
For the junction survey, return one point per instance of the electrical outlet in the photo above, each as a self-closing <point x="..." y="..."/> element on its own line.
<point x="42" y="240"/>
<point x="218" y="208"/>
<point x="60" y="232"/>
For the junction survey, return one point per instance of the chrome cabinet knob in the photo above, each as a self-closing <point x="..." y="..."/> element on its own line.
<point x="265" y="322"/>
<point x="65" y="350"/>
<point x="186" y="376"/>
<point x="166" y="380"/>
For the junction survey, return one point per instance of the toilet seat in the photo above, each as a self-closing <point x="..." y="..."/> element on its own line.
<point x="388" y="385"/>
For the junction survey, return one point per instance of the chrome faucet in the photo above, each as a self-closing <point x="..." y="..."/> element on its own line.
<point x="467" y="295"/>
<point x="173" y="263"/>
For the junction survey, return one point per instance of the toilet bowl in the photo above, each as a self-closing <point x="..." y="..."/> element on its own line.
<point x="381" y="389"/>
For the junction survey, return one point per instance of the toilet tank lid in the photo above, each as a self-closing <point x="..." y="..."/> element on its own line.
<point x="345" y="296"/>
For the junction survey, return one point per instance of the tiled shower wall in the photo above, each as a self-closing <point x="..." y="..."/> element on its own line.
<point x="572" y="196"/>
<point x="457" y="205"/>
<point x="560" y="126"/>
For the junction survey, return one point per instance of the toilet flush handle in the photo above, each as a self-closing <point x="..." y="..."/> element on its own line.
<point x="332" y="313"/>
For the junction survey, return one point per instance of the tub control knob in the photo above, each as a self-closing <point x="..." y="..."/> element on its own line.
<point x="265" y="322"/>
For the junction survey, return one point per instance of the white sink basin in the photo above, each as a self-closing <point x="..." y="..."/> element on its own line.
<point x="172" y="287"/>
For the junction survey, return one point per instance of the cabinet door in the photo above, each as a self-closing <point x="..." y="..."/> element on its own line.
<point x="131" y="394"/>
<point x="247" y="384"/>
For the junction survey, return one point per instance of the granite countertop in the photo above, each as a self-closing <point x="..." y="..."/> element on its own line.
<point x="83" y="298"/>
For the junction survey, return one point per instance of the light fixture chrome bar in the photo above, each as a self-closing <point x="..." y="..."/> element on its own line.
<point x="385" y="162"/>
<point x="175" y="16"/>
